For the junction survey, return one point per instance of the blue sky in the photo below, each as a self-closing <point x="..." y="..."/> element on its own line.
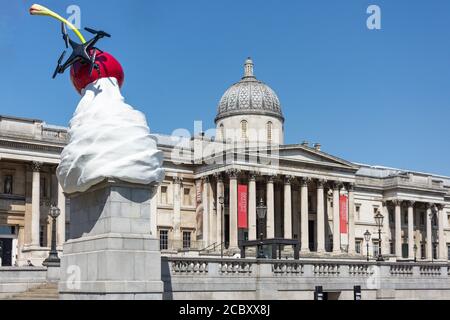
<point x="372" y="96"/>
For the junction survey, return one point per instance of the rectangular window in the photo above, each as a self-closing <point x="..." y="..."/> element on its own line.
<point x="43" y="185"/>
<point x="391" y="216"/>
<point x="375" y="248"/>
<point x="435" y="246"/>
<point x="42" y="236"/>
<point x="163" y="199"/>
<point x="8" y="184"/>
<point x="405" y="250"/>
<point x="163" y="239"/>
<point x="391" y="247"/>
<point x="405" y="217"/>
<point x="448" y="252"/>
<point x="7" y="230"/>
<point x="422" y="218"/>
<point x="358" y="244"/>
<point x="422" y="251"/>
<point x="186" y="239"/>
<point x="187" y="197"/>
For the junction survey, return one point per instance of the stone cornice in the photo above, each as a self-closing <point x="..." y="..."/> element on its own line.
<point x="30" y="146"/>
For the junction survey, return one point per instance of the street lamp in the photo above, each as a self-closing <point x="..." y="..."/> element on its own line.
<point x="415" y="252"/>
<point x="379" y="221"/>
<point x="261" y="211"/>
<point x="221" y="202"/>
<point x="53" y="259"/>
<point x="367" y="236"/>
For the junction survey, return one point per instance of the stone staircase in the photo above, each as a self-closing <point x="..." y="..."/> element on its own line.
<point x="47" y="291"/>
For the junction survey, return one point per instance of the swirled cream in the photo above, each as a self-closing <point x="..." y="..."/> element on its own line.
<point x="108" y="139"/>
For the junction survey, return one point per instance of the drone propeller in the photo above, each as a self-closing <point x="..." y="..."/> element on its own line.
<point x="65" y="35"/>
<point x="58" y="67"/>
<point x="99" y="33"/>
<point x="92" y="62"/>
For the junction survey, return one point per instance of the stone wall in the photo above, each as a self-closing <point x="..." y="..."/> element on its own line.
<point x="17" y="280"/>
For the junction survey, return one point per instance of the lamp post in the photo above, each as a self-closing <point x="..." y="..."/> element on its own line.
<point x="261" y="211"/>
<point x="379" y="221"/>
<point x="367" y="236"/>
<point x="415" y="252"/>
<point x="222" y="240"/>
<point x="53" y="259"/>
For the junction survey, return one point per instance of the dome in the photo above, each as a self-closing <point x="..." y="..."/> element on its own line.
<point x="249" y="96"/>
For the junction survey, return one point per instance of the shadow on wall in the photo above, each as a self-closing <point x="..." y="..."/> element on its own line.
<point x="167" y="280"/>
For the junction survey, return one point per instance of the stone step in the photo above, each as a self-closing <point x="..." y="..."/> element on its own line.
<point x="45" y="292"/>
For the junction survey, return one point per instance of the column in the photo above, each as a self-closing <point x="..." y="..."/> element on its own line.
<point x="386" y="248"/>
<point x="212" y="216"/>
<point x="233" y="210"/>
<point x="320" y="217"/>
<point x="270" y="226"/>
<point x="398" y="228"/>
<point x="411" y="230"/>
<point x="304" y="215"/>
<point x="287" y="208"/>
<point x="429" y="244"/>
<point x="35" y="204"/>
<point x="441" y="235"/>
<point x="351" y="218"/>
<point x="61" y="222"/>
<point x="252" y="207"/>
<point x="205" y="217"/>
<point x="295" y="217"/>
<point x="220" y="194"/>
<point x="336" y="219"/>
<point x="177" y="209"/>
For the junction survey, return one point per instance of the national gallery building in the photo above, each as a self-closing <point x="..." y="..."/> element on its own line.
<point x="215" y="187"/>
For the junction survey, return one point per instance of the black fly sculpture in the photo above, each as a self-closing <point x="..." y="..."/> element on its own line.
<point x="80" y="52"/>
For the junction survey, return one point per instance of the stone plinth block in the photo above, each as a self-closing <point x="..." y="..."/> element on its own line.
<point x="111" y="254"/>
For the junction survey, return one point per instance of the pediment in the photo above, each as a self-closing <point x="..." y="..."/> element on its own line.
<point x="306" y="154"/>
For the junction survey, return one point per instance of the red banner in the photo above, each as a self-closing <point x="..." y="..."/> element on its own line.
<point x="343" y="213"/>
<point x="242" y="206"/>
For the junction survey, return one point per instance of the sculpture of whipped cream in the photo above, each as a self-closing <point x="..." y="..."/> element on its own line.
<point x="108" y="139"/>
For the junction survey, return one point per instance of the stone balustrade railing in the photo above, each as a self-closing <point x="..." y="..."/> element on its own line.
<point x="253" y="278"/>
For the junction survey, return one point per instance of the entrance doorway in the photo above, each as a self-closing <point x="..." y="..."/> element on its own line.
<point x="6" y="252"/>
<point x="312" y="235"/>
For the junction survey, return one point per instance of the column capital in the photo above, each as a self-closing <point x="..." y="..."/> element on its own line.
<point x="429" y="205"/>
<point x="177" y="180"/>
<point x="304" y="181"/>
<point x="205" y="179"/>
<point x="384" y="203"/>
<point x="396" y="202"/>
<point x="252" y="176"/>
<point x="36" y="166"/>
<point x="270" y="178"/>
<point x="410" y="203"/>
<point x="233" y="173"/>
<point x="288" y="179"/>
<point x="440" y="206"/>
<point x="336" y="185"/>
<point x="351" y="186"/>
<point x="218" y="176"/>
<point x="321" y="183"/>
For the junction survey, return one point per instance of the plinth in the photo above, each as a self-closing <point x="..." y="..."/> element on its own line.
<point x="111" y="254"/>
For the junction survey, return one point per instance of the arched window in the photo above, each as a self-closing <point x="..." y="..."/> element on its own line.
<point x="222" y="132"/>
<point x="244" y="126"/>
<point x="269" y="131"/>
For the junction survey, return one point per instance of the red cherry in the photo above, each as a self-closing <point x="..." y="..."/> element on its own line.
<point x="108" y="67"/>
